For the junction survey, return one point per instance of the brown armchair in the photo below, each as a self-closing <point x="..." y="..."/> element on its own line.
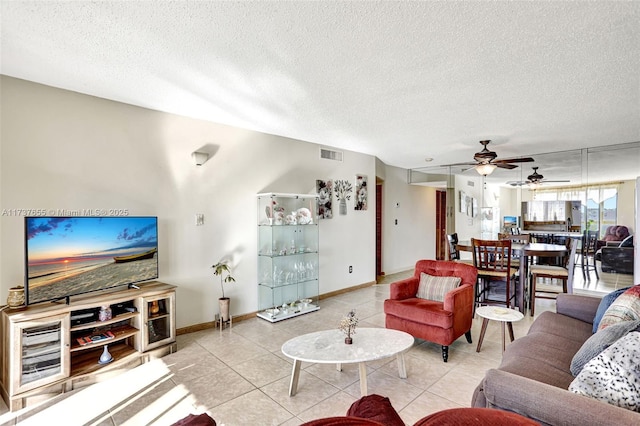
<point x="614" y="233"/>
<point x="438" y="322"/>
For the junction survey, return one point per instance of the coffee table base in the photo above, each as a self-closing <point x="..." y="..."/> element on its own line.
<point x="362" y="369"/>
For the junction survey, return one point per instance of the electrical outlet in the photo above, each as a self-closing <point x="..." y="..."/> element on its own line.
<point x="199" y="219"/>
<point x="396" y="221"/>
<point x="350" y="269"/>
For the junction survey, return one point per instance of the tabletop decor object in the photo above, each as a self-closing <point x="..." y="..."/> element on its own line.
<point x="16" y="299"/>
<point x="348" y="326"/>
<point x="106" y="357"/>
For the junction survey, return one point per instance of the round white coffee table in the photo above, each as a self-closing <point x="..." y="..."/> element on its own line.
<point x="504" y="315"/>
<point x="328" y="347"/>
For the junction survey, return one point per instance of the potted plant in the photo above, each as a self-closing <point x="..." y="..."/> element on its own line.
<point x="220" y="269"/>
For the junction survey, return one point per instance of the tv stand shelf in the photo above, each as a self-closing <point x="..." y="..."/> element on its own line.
<point x="115" y="319"/>
<point x="41" y="354"/>
<point x="120" y="333"/>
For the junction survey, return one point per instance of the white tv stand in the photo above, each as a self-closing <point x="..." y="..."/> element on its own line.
<point x="43" y="351"/>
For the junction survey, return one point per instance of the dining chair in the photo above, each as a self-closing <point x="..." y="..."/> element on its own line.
<point x="562" y="273"/>
<point x="492" y="259"/>
<point x="454" y="252"/>
<point x="588" y="251"/>
<point x="515" y="238"/>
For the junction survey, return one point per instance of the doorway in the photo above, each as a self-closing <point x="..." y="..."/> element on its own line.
<point x="379" y="271"/>
<point x="441" y="224"/>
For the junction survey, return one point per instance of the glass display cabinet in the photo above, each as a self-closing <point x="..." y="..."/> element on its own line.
<point x="288" y="283"/>
<point x="159" y="322"/>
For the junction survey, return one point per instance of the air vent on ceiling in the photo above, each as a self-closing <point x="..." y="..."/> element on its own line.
<point x="330" y="154"/>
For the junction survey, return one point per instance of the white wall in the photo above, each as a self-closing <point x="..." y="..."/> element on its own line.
<point x="64" y="150"/>
<point x="468" y="227"/>
<point x="626" y="208"/>
<point x="413" y="237"/>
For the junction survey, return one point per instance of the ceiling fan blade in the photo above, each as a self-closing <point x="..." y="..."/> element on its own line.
<point x="517" y="183"/>
<point x="554" y="181"/>
<point x="514" y="160"/>
<point x="504" y="165"/>
<point x="460" y="164"/>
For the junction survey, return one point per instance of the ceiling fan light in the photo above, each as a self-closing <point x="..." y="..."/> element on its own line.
<point x="485" y="169"/>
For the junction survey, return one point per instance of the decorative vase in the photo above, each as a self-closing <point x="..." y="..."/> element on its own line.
<point x="154" y="308"/>
<point x="348" y="340"/>
<point x="15" y="299"/>
<point x="343" y="206"/>
<point x="105" y="314"/>
<point x="106" y="357"/>
<point x="224" y="303"/>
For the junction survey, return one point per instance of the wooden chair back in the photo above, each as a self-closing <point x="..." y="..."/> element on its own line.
<point x="589" y="241"/>
<point x="492" y="255"/>
<point x="516" y="238"/>
<point x="454" y="253"/>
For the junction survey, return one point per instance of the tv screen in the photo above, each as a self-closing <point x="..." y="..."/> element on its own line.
<point x="510" y="221"/>
<point x="66" y="256"/>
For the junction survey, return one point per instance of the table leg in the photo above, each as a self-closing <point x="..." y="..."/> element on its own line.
<point x="338" y="367"/>
<point x="521" y="281"/>
<point x="363" y="378"/>
<point x="502" y="334"/>
<point x="483" y="330"/>
<point x="295" y="375"/>
<point x="402" y="368"/>
<point x="510" y="327"/>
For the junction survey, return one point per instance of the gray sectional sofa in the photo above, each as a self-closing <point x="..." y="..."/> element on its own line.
<point x="534" y="376"/>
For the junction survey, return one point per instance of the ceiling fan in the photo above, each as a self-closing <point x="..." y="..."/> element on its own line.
<point x="487" y="161"/>
<point x="534" y="179"/>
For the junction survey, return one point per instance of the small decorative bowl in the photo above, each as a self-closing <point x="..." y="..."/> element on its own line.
<point x="305" y="303"/>
<point x="272" y="312"/>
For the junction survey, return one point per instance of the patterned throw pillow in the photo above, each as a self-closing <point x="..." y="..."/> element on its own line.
<point x="599" y="342"/>
<point x="625" y="308"/>
<point x="613" y="376"/>
<point x="434" y="288"/>
<point x="605" y="302"/>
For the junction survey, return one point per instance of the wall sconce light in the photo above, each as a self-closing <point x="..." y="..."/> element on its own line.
<point x="199" y="158"/>
<point x="485" y="169"/>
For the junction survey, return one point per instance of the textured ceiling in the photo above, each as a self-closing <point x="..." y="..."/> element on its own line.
<point x="398" y="80"/>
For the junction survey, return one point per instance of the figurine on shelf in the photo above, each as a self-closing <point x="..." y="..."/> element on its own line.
<point x="291" y="219"/>
<point x="303" y="215"/>
<point x="105" y="313"/>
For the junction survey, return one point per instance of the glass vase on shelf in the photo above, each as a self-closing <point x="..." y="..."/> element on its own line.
<point x="105" y="314"/>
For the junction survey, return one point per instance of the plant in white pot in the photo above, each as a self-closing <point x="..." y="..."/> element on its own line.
<point x="220" y="269"/>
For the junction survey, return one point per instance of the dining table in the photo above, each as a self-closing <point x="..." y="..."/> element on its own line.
<point x="526" y="252"/>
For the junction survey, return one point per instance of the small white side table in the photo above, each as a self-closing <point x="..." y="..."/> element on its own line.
<point x="504" y="315"/>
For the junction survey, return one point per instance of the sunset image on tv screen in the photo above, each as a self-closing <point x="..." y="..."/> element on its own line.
<point x="72" y="255"/>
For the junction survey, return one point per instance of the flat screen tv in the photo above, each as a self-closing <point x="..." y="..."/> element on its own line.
<point x="67" y="256"/>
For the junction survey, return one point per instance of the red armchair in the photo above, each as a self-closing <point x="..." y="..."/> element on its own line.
<point x="438" y="322"/>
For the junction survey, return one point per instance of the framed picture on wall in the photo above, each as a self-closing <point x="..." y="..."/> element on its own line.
<point x="469" y="205"/>
<point x="463" y="202"/>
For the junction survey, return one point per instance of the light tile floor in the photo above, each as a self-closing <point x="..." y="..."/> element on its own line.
<point x="240" y="377"/>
